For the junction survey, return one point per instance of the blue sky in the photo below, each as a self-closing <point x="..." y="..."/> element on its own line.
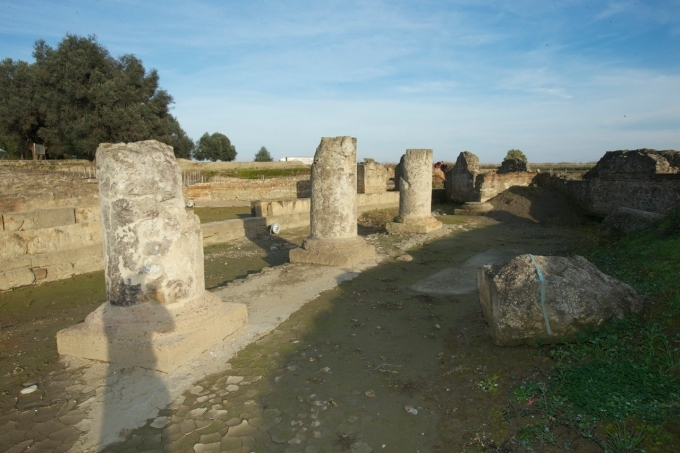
<point x="562" y="81"/>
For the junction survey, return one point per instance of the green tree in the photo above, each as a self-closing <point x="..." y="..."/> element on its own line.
<point x="515" y="154"/>
<point x="20" y="118"/>
<point x="76" y="96"/>
<point x="215" y="147"/>
<point x="263" y="155"/>
<point x="181" y="143"/>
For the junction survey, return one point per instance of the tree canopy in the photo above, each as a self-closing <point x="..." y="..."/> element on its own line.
<point x="215" y="147"/>
<point x="263" y="155"/>
<point x="515" y="154"/>
<point x="77" y="96"/>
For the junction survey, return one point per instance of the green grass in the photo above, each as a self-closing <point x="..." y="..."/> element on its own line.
<point x="619" y="386"/>
<point x="254" y="173"/>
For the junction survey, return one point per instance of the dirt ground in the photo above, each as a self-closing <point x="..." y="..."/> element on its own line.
<point x="396" y="369"/>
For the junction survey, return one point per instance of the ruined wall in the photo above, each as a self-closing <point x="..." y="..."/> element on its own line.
<point x="249" y="189"/>
<point x="26" y="187"/>
<point x="371" y="177"/>
<point x="53" y="244"/>
<point x="599" y="196"/>
<point x="460" y="180"/>
<point x="49" y="244"/>
<point x="644" y="179"/>
<point x="488" y="185"/>
<point x="635" y="163"/>
<point x="465" y="182"/>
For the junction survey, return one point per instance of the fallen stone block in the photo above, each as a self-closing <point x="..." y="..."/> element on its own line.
<point x="623" y="221"/>
<point x="577" y="295"/>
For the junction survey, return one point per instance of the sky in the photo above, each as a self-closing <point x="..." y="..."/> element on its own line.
<point x="563" y="81"/>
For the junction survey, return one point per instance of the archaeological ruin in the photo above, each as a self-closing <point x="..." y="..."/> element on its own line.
<point x="158" y="314"/>
<point x="415" y="194"/>
<point x="643" y="179"/>
<point x="466" y="182"/>
<point x="333" y="239"/>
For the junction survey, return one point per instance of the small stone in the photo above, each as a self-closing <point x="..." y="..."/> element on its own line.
<point x="232" y="388"/>
<point x="29" y="389"/>
<point x="196" y="390"/>
<point x="234" y="379"/>
<point x="404" y="258"/>
<point x="197" y="412"/>
<point x="160" y="422"/>
<point x="244" y="429"/>
<point x="208" y="448"/>
<point x="370" y="393"/>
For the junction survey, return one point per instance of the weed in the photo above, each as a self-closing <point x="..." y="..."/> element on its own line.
<point x="489" y="384"/>
<point x="621" y="440"/>
<point x="539" y="433"/>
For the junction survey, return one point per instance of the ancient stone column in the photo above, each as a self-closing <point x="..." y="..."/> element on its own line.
<point x="158" y="314"/>
<point x="333" y="216"/>
<point x="415" y="194"/>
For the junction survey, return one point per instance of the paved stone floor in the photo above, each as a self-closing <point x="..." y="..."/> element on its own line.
<point x="352" y="369"/>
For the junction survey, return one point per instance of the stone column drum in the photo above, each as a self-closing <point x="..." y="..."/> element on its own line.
<point x="415" y="194"/>
<point x="333" y="215"/>
<point x="158" y="314"/>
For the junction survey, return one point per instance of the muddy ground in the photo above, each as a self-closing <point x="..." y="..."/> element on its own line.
<point x="396" y="369"/>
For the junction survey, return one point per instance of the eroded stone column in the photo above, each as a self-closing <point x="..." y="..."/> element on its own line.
<point x="333" y="216"/>
<point x="415" y="194"/>
<point x="158" y="314"/>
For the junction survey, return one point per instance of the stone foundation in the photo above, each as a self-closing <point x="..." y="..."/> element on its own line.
<point x="332" y="252"/>
<point x="155" y="336"/>
<point x="424" y="225"/>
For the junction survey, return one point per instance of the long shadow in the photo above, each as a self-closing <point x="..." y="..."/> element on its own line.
<point x="131" y="343"/>
<point x="372" y="363"/>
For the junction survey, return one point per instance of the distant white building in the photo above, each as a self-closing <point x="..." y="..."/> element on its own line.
<point x="304" y="160"/>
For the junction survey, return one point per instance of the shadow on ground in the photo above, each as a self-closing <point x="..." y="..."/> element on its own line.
<point x="368" y="366"/>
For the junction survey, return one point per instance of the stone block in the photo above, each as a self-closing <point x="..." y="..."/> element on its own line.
<point x="155" y="336"/>
<point x="40" y="218"/>
<point x="14" y="278"/>
<point x="88" y="214"/>
<point x="577" y="296"/>
<point x="344" y="252"/>
<point x="623" y="221"/>
<point x="419" y="226"/>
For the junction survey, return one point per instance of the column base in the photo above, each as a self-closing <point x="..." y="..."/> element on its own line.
<point x="332" y="252"/>
<point x="155" y="336"/>
<point x="474" y="208"/>
<point x="414" y="226"/>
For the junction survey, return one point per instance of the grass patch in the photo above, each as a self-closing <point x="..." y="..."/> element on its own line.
<point x="216" y="214"/>
<point x="259" y="173"/>
<point x="618" y="387"/>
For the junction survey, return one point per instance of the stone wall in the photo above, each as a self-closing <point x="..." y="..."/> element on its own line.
<point x="488" y="185"/>
<point x="53" y="244"/>
<point x="49" y="244"/>
<point x="643" y="179"/>
<point x="224" y="189"/>
<point x="466" y="182"/>
<point x="371" y="177"/>
<point x="635" y="163"/>
<point x="599" y="196"/>
<point x="26" y="187"/>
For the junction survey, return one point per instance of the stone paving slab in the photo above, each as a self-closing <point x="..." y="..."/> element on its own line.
<point x="89" y="404"/>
